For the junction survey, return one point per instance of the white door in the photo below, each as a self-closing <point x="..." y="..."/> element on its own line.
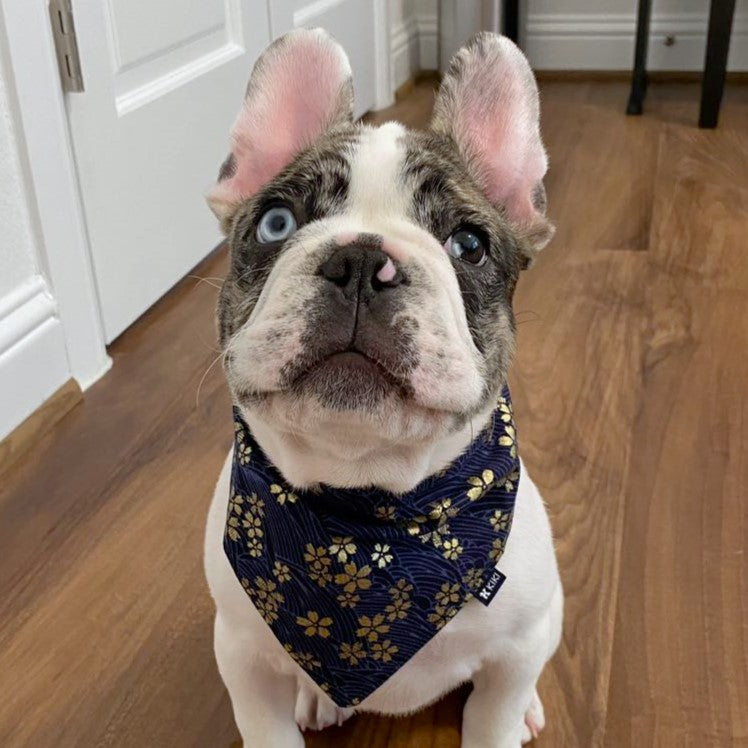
<point x="163" y="83"/>
<point x="351" y="22"/>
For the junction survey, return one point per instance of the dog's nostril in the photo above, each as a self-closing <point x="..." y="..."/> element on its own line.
<point x="337" y="269"/>
<point x="361" y="270"/>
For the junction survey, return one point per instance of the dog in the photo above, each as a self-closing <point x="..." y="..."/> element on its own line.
<point x="367" y="329"/>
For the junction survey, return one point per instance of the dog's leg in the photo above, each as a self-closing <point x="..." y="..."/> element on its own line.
<point x="262" y="699"/>
<point x="504" y="709"/>
<point x="503" y="691"/>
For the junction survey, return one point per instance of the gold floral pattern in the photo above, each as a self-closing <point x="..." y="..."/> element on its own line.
<point x="500" y="520"/>
<point x="400" y="603"/>
<point x="441" y="508"/>
<point x="245" y="512"/>
<point x="233" y="520"/>
<point x="401" y="590"/>
<point x="352" y="653"/>
<point x="256" y="505"/>
<point x="497" y="549"/>
<point x="342" y="548"/>
<point x="505" y="409"/>
<point x="236" y="504"/>
<point x="281" y="572"/>
<point x="397" y="609"/>
<point x="480" y="484"/>
<point x="434" y="527"/>
<point x="265" y="596"/>
<point x="243" y="453"/>
<point x="252" y="525"/>
<point x="452" y="549"/>
<point x="305" y="659"/>
<point x="441" y="616"/>
<point x="371" y="628"/>
<point x="438" y="534"/>
<point x="318" y="563"/>
<point x="348" y="599"/>
<point x="353" y="578"/>
<point x="381" y="555"/>
<point x="244" y="520"/>
<point x="511" y="482"/>
<point x="383" y="650"/>
<point x="314" y="624"/>
<point x="449" y="594"/>
<point x="509" y="439"/>
<point x="232" y="528"/>
<point x="242" y="448"/>
<point x="254" y="547"/>
<point x="385" y="513"/>
<point x="282" y="494"/>
<point x="473" y="579"/>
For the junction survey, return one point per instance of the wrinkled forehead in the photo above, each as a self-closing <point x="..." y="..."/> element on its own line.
<point x="371" y="173"/>
<point x="378" y="164"/>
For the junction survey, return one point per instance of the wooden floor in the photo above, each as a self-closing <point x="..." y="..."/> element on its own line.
<point x="631" y="392"/>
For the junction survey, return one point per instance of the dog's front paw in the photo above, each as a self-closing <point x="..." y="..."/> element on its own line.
<point x="534" y="719"/>
<point x="315" y="711"/>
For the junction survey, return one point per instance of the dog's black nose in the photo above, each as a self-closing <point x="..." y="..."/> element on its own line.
<point x="361" y="271"/>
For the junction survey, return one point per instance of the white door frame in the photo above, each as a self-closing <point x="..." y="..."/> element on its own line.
<point x="65" y="255"/>
<point x="385" y="94"/>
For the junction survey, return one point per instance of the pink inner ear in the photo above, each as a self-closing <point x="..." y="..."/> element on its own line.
<point x="293" y="97"/>
<point x="496" y="123"/>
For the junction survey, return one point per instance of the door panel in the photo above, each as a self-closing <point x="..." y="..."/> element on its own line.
<point x="351" y="22"/>
<point x="140" y="30"/>
<point x="163" y="84"/>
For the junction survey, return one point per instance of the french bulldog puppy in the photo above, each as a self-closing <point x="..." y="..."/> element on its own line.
<point x="367" y="329"/>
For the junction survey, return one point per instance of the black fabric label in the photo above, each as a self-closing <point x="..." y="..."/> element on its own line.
<point x="491" y="587"/>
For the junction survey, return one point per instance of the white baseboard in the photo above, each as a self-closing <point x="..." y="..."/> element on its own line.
<point x="33" y="358"/>
<point x="596" y="41"/>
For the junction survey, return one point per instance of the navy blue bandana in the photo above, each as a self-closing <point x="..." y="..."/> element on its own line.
<point x="354" y="582"/>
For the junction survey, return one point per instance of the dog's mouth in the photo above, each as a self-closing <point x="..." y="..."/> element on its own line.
<point x="351" y="363"/>
<point x="348" y="379"/>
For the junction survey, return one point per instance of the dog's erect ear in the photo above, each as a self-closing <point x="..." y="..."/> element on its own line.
<point x="300" y="87"/>
<point x="488" y="103"/>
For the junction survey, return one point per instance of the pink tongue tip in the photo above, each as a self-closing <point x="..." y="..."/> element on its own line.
<point x="386" y="272"/>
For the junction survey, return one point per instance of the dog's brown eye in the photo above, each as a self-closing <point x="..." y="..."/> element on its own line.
<point x="468" y="244"/>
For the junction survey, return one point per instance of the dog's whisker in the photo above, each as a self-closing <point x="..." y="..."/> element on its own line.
<point x="249" y="272"/>
<point x="204" y="280"/>
<point x="221" y="355"/>
<point x="535" y="317"/>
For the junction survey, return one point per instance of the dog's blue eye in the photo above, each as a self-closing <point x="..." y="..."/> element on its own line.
<point x="276" y="225"/>
<point x="468" y="244"/>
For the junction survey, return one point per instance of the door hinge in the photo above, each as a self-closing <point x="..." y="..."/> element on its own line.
<point x="66" y="45"/>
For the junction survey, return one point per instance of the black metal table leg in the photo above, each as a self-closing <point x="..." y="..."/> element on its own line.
<point x="639" y="77"/>
<point x="721" y="13"/>
<point x="511" y="20"/>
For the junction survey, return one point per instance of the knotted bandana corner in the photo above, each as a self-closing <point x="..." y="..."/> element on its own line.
<point x="354" y="582"/>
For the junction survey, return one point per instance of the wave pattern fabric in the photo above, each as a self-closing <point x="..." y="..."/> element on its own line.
<point x="353" y="582"/>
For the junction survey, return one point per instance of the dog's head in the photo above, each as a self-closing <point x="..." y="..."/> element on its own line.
<point x="368" y="302"/>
